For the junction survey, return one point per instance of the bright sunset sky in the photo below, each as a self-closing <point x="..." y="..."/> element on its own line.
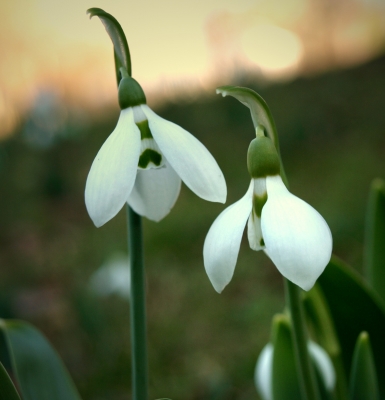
<point x="53" y="44"/>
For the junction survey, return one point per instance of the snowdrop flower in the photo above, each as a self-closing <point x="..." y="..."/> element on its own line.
<point x="263" y="376"/>
<point x="143" y="162"/>
<point x="292" y="233"/>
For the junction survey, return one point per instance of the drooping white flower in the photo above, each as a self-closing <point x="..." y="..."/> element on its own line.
<point x="263" y="376"/>
<point x="143" y="162"/>
<point x="292" y="233"/>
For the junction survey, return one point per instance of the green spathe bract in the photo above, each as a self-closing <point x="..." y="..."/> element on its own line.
<point x="116" y="34"/>
<point x="260" y="114"/>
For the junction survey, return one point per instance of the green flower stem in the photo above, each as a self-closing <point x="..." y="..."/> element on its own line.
<point x="137" y="307"/>
<point x="305" y="367"/>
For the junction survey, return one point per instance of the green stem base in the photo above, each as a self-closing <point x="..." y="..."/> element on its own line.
<point x="137" y="307"/>
<point x="304" y="366"/>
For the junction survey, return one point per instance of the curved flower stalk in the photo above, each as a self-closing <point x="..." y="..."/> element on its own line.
<point x="143" y="162"/>
<point x="292" y="233"/>
<point x="263" y="376"/>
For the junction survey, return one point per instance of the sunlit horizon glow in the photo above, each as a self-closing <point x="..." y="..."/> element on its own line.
<point x="49" y="45"/>
<point x="280" y="55"/>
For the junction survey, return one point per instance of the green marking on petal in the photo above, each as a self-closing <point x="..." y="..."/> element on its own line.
<point x="258" y="203"/>
<point x="262" y="243"/>
<point x="149" y="156"/>
<point x="145" y="132"/>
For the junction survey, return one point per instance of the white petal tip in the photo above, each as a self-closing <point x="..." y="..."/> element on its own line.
<point x="219" y="289"/>
<point x="306" y="287"/>
<point x="221" y="199"/>
<point x="304" y="283"/>
<point x="218" y="196"/>
<point x="98" y="222"/>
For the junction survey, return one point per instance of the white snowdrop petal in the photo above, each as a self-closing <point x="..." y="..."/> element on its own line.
<point x="221" y="247"/>
<point x="189" y="157"/>
<point x="324" y="364"/>
<point x="155" y="192"/>
<point x="113" y="171"/>
<point x="263" y="376"/>
<point x="297" y="238"/>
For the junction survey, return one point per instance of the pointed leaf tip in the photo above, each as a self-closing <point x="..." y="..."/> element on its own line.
<point x="363" y="378"/>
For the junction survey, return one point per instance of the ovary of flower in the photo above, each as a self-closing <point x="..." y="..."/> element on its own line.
<point x="144" y="167"/>
<point x="292" y="233"/>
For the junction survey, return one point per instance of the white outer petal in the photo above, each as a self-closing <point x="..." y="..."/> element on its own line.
<point x="155" y="192"/>
<point x="221" y="248"/>
<point x="263" y="376"/>
<point x="113" y="171"/>
<point x="189" y="158"/>
<point x="297" y="238"/>
<point x="323" y="364"/>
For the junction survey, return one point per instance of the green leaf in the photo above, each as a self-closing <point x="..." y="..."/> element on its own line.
<point x="39" y="371"/>
<point x="363" y="378"/>
<point x="354" y="307"/>
<point x="284" y="378"/>
<point x="320" y="319"/>
<point x="115" y="31"/>
<point x="375" y="238"/>
<point x="260" y="113"/>
<point x="7" y="388"/>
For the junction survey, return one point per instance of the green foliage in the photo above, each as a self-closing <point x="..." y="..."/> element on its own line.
<point x="320" y="320"/>
<point x="7" y="388"/>
<point x="39" y="371"/>
<point x="355" y="307"/>
<point x="363" y="378"/>
<point x="284" y="378"/>
<point x="375" y="238"/>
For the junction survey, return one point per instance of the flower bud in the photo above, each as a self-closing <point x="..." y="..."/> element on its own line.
<point x="262" y="157"/>
<point x="130" y="93"/>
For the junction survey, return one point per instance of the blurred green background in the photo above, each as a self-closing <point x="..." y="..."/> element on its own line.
<point x="201" y="345"/>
